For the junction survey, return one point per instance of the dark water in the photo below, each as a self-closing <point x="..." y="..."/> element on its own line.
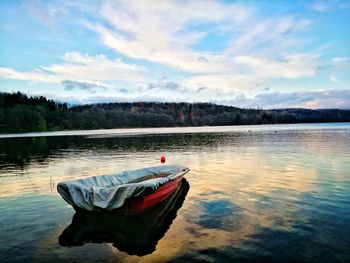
<point x="266" y="194"/>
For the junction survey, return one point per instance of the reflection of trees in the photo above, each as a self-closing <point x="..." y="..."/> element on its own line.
<point x="23" y="151"/>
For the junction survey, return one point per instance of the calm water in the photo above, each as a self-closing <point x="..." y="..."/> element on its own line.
<point x="263" y="193"/>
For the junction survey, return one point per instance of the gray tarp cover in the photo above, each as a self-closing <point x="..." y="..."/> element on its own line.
<point x="109" y="192"/>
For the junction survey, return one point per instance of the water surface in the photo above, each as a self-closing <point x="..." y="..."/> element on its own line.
<point x="263" y="193"/>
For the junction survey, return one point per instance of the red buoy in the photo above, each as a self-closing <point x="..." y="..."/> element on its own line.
<point x="162" y="159"/>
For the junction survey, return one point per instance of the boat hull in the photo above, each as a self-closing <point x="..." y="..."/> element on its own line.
<point x="139" y="205"/>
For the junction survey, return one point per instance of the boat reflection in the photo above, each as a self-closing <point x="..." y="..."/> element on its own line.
<point x="133" y="234"/>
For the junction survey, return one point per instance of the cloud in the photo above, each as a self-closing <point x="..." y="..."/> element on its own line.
<point x="37" y="75"/>
<point x="341" y="62"/>
<point x="224" y="82"/>
<point x="290" y="66"/>
<point x="333" y="79"/>
<point x="256" y="48"/>
<point x="158" y="31"/>
<point x="169" y="85"/>
<point x="269" y="34"/>
<point x="123" y="90"/>
<point x="81" y="68"/>
<point x="41" y="13"/>
<point x="255" y="71"/>
<point x="56" y="14"/>
<point x="203" y="59"/>
<point x="201" y="89"/>
<point x="91" y="87"/>
<point x="172" y="55"/>
<point x="328" y="5"/>
<point x="304" y="99"/>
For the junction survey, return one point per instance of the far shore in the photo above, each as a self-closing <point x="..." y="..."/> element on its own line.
<point x="180" y="130"/>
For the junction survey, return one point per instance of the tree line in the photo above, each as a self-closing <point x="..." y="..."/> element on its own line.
<point x="20" y="113"/>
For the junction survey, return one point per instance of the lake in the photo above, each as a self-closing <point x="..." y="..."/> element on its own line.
<point x="276" y="193"/>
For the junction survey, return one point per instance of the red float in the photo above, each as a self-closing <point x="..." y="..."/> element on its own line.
<point x="162" y="159"/>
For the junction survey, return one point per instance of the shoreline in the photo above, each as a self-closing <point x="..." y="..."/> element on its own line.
<point x="180" y="130"/>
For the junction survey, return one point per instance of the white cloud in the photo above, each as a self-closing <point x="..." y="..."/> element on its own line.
<point x="79" y="67"/>
<point x="330" y="98"/>
<point x="341" y="62"/>
<point x="269" y="34"/>
<point x="172" y="55"/>
<point x="222" y="82"/>
<point x="168" y="85"/>
<point x="163" y="32"/>
<point x="256" y="71"/>
<point x="290" y="66"/>
<point x="333" y="79"/>
<point x="158" y="31"/>
<point x="43" y="15"/>
<point x="328" y="5"/>
<point x="37" y="75"/>
<point x="82" y="67"/>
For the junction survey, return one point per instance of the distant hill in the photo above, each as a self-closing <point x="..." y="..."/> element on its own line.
<point x="20" y="113"/>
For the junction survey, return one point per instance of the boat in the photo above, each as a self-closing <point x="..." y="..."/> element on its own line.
<point x="130" y="233"/>
<point x="134" y="190"/>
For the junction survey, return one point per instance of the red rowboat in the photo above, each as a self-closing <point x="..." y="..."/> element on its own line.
<point x="135" y="190"/>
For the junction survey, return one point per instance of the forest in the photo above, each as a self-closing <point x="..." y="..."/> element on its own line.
<point x="21" y="113"/>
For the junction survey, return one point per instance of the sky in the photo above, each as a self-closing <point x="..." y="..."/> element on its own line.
<point x="251" y="54"/>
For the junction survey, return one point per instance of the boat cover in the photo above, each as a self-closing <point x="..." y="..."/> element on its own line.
<point x="109" y="192"/>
